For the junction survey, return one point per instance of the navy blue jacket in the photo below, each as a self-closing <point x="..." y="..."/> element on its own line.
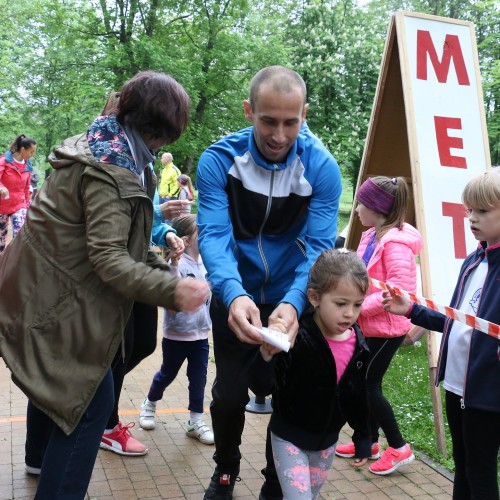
<point x="482" y="380"/>
<point x="309" y="407"/>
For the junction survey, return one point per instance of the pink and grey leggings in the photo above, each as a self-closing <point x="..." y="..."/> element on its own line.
<point x="17" y="220"/>
<point x="301" y="473"/>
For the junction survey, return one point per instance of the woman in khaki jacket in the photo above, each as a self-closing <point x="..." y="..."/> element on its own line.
<point x="70" y="277"/>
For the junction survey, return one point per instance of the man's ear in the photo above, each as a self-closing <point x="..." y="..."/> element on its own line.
<point x="248" y="110"/>
<point x="304" y="112"/>
<point x="313" y="297"/>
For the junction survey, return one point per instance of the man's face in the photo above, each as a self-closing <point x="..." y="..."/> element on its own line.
<point x="277" y="118"/>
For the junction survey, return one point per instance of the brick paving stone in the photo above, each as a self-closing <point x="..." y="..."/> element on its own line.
<point x="180" y="467"/>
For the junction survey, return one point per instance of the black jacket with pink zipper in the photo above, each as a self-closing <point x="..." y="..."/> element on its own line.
<point x="309" y="407"/>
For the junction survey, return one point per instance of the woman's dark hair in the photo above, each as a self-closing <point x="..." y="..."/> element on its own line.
<point x="155" y="105"/>
<point x="21" y="141"/>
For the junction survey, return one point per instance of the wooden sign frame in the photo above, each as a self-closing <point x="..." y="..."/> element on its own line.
<point x="428" y="121"/>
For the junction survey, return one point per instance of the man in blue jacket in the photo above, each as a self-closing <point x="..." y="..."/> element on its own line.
<point x="268" y="205"/>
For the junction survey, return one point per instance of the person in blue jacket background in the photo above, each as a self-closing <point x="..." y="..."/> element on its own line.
<point x="268" y="205"/>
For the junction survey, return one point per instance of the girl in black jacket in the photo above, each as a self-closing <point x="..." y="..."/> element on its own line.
<point x="318" y="385"/>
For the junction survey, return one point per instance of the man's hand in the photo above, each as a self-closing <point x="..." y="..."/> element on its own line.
<point x="191" y="294"/>
<point x="284" y="318"/>
<point x="395" y="304"/>
<point x="243" y="313"/>
<point x="4" y="192"/>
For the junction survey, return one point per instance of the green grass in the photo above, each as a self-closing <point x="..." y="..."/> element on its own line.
<point x="345" y="205"/>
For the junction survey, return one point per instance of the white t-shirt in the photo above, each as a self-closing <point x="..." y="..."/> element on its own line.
<point x="460" y="335"/>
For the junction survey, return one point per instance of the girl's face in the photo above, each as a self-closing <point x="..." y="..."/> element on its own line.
<point x="485" y="223"/>
<point x="368" y="217"/>
<point x="338" y="309"/>
<point x="27" y="153"/>
<point x="192" y="244"/>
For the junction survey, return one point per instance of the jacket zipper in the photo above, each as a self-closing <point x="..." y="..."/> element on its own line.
<point x="462" y="400"/>
<point x="473" y="265"/>
<point x="259" y="241"/>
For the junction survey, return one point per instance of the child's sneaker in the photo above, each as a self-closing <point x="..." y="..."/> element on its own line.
<point x="120" y="441"/>
<point x="348" y="451"/>
<point x="201" y="431"/>
<point x="147" y="416"/>
<point x="391" y="460"/>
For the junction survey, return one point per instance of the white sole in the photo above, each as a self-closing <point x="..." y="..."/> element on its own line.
<point x="146" y="428"/>
<point x="343" y="455"/>
<point x="119" y="451"/>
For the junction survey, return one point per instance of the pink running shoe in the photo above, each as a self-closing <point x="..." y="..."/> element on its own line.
<point x="120" y="441"/>
<point x="391" y="460"/>
<point x="348" y="451"/>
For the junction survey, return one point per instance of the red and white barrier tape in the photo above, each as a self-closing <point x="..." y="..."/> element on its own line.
<point x="487" y="327"/>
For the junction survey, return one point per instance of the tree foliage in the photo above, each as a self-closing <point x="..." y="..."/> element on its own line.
<point x="61" y="59"/>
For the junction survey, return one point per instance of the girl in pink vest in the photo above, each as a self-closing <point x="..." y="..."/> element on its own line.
<point x="389" y="249"/>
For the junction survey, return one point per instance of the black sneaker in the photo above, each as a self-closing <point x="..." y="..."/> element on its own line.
<point x="222" y="484"/>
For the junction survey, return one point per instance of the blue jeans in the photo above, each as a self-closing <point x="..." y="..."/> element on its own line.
<point x="174" y="354"/>
<point x="68" y="461"/>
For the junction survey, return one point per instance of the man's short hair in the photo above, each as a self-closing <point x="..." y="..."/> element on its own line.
<point x="282" y="79"/>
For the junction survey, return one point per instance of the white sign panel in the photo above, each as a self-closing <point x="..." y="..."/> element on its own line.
<point x="443" y="91"/>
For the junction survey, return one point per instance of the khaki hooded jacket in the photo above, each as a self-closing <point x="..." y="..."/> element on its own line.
<point x="69" y="278"/>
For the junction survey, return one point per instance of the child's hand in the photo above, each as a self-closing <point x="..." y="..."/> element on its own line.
<point x="359" y="462"/>
<point x="267" y="351"/>
<point x="175" y="244"/>
<point x="393" y="303"/>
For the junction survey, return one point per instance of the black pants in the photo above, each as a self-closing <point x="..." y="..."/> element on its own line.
<point x="140" y="342"/>
<point x="382" y="351"/>
<point x="475" y="435"/>
<point x="230" y="395"/>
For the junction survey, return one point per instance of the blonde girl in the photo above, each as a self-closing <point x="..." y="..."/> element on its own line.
<point x="469" y="360"/>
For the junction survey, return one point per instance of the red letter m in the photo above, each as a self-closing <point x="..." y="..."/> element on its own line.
<point x="451" y="50"/>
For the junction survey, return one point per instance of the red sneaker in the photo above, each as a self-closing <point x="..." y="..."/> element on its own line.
<point x="348" y="451"/>
<point x="391" y="460"/>
<point x="120" y="441"/>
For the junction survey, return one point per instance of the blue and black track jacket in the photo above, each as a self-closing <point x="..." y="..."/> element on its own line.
<point x="262" y="225"/>
<point x="482" y="377"/>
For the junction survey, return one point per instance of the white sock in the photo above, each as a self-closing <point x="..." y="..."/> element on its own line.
<point x="194" y="417"/>
<point x="401" y="449"/>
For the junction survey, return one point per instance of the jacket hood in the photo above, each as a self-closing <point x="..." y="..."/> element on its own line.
<point x="10" y="159"/>
<point x="407" y="235"/>
<point x="73" y="150"/>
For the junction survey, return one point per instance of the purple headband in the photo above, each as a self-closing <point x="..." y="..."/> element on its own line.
<point x="372" y="196"/>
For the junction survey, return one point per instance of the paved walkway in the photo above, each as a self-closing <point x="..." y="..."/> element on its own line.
<point x="179" y="467"/>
